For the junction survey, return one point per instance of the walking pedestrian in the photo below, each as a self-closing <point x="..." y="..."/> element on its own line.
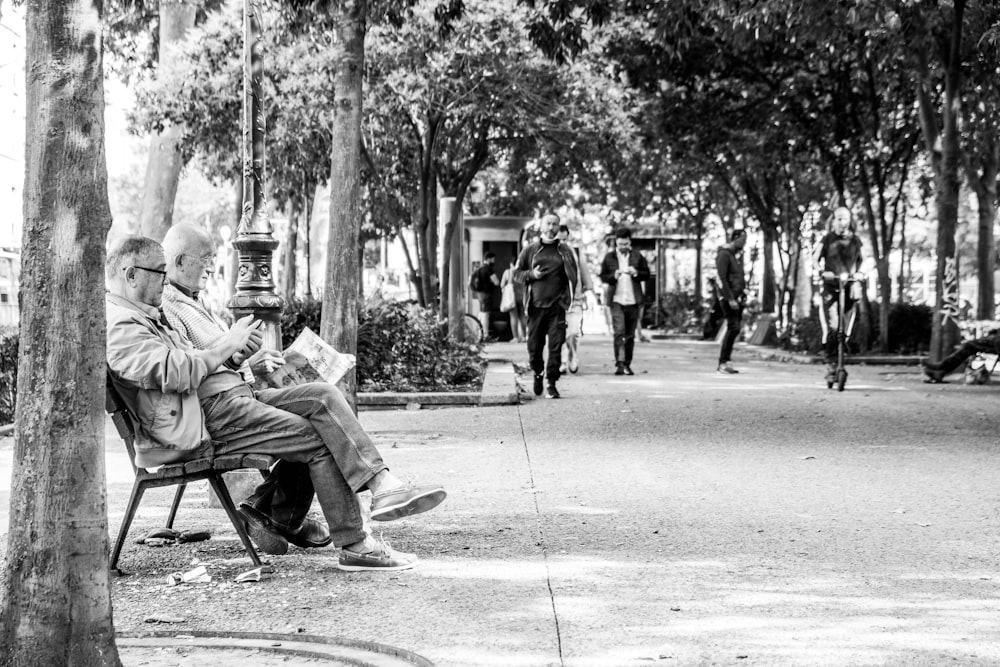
<point x="547" y="268"/>
<point x="486" y="285"/>
<point x="519" y="327"/>
<point x="624" y="270"/>
<point x="732" y="285"/>
<point x="574" y="316"/>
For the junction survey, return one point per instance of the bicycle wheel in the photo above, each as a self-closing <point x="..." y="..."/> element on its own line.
<point x="841" y="379"/>
<point x="472" y="329"/>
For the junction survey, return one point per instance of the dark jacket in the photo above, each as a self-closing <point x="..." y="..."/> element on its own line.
<point x="732" y="282"/>
<point x="610" y="264"/>
<point x="525" y="263"/>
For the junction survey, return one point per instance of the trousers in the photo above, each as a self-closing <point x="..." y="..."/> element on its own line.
<point x="546" y="324"/>
<point x="319" y="442"/>
<point x="623" y="322"/>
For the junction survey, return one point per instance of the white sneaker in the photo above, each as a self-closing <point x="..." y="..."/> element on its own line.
<point x="727" y="368"/>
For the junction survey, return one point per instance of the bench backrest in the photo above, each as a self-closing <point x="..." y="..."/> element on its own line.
<point x="122" y="417"/>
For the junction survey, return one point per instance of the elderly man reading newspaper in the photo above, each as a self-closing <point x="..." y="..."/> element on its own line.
<point x="181" y="384"/>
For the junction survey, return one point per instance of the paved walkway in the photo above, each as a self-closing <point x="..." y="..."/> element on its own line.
<point x="677" y="517"/>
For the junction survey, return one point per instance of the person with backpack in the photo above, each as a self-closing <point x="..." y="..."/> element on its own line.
<point x="486" y="285"/>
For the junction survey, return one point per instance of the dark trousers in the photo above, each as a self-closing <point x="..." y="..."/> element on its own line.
<point x="831" y="306"/>
<point x="546" y="323"/>
<point x="986" y="345"/>
<point x="733" y="320"/>
<point x="623" y="322"/>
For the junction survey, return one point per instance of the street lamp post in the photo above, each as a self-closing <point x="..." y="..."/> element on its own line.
<point x="255" y="291"/>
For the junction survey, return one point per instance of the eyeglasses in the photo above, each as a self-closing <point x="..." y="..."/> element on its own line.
<point x="163" y="274"/>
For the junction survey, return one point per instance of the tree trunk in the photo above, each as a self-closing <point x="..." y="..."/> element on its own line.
<point x="944" y="332"/>
<point x="288" y="276"/>
<point x="768" y="282"/>
<point x="339" y="325"/>
<point x="163" y="170"/>
<point x="985" y="187"/>
<point x="56" y="596"/>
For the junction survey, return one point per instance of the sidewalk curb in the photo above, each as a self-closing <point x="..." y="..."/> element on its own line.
<point x="499" y="388"/>
<point x="774" y="354"/>
<point x="339" y="650"/>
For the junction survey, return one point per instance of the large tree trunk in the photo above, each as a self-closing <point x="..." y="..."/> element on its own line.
<point x="339" y="325"/>
<point x="56" y="596"/>
<point x="944" y="332"/>
<point x="985" y="186"/>
<point x="163" y="170"/>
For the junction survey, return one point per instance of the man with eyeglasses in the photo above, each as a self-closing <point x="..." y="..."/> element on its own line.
<point x="186" y="394"/>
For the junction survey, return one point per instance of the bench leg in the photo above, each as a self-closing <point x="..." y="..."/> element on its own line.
<point x="174" y="505"/>
<point x="222" y="491"/>
<point x="138" y="488"/>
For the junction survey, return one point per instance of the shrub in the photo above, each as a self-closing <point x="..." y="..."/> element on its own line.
<point x="804" y="335"/>
<point x="297" y="315"/>
<point x="8" y="374"/>
<point x="910" y="328"/>
<point x="401" y="347"/>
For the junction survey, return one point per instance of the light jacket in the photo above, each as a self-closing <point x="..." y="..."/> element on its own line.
<point x="525" y="264"/>
<point x="157" y="373"/>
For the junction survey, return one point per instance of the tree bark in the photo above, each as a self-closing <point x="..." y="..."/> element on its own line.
<point x="339" y="324"/>
<point x="163" y="169"/>
<point x="944" y="331"/>
<point x="56" y="595"/>
<point x="984" y="184"/>
<point x="288" y="274"/>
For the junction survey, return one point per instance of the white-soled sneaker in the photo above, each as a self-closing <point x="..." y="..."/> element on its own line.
<point x="381" y="558"/>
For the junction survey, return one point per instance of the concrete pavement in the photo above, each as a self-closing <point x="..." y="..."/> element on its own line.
<point x="676" y="517"/>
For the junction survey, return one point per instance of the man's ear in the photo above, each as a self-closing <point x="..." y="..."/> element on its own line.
<point x="130" y="273"/>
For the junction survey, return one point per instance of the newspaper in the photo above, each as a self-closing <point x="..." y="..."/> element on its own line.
<point x="310" y="359"/>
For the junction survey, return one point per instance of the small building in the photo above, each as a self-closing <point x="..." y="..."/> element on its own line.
<point x="10" y="277"/>
<point x="502" y="235"/>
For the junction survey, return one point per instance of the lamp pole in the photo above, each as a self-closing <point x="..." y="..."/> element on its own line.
<point x="255" y="290"/>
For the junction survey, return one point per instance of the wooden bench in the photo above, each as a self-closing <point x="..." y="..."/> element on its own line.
<point x="179" y="474"/>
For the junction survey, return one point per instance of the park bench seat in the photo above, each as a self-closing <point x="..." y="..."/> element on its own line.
<point x="179" y="474"/>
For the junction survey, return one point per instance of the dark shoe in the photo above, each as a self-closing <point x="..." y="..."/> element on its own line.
<point x="933" y="376"/>
<point x="262" y="532"/>
<point x="311" y="534"/>
<point x="539" y="380"/>
<point x="619" y="369"/>
<point x="628" y="370"/>
<point x="381" y="558"/>
<point x="552" y="392"/>
<point x="831" y="374"/>
<point x="405" y="501"/>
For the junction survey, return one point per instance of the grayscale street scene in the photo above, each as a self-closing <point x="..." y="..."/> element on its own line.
<point x="520" y="333"/>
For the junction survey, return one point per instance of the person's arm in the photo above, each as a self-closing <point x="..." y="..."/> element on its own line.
<point x="609" y="273"/>
<point x="724" y="265"/>
<point x="522" y="271"/>
<point x="136" y="354"/>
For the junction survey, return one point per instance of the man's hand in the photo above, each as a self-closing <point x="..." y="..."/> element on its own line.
<point x="263" y="362"/>
<point x="536" y="273"/>
<point x="245" y="336"/>
<point x="734" y="304"/>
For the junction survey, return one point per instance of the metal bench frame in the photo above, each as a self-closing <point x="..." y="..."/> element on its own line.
<point x="179" y="474"/>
